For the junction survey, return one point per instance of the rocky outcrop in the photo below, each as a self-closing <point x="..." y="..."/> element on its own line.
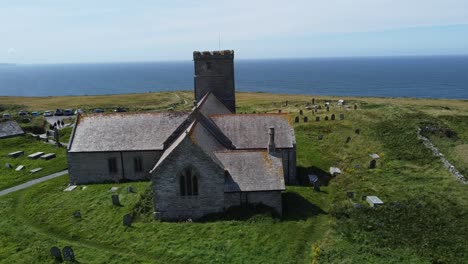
<point x="428" y="144"/>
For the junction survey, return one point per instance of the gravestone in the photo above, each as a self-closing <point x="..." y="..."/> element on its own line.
<point x="334" y="171"/>
<point x="315" y="110"/>
<point x="113" y="189"/>
<point x="374" y="156"/>
<point x="333" y="117"/>
<point x="355" y="107"/>
<point x="320" y="107"/>
<point x="313" y="101"/>
<point x="373" y="164"/>
<point x="317" y="118"/>
<point x="320" y="137"/>
<point x="115" y="200"/>
<point x="16" y="154"/>
<point x="8" y="165"/>
<point x="348" y="140"/>
<point x="296" y="120"/>
<point x="326" y="118"/>
<point x="316" y="186"/>
<point x="56" y="254"/>
<point x="358" y="206"/>
<point x="127" y="220"/>
<point x="350" y="195"/>
<point x="306" y="119"/>
<point x="341" y="116"/>
<point x="77" y="214"/>
<point x="286" y="103"/>
<point x="279" y="111"/>
<point x="358" y="166"/>
<point x="357" y="131"/>
<point x="130" y="189"/>
<point x="328" y="109"/>
<point x="68" y="254"/>
<point x="35" y="170"/>
<point x="20" y="167"/>
<point x="301" y="112"/>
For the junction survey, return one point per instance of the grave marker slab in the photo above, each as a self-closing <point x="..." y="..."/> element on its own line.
<point x="333" y="117"/>
<point x="374" y="156"/>
<point x="8" y="165"/>
<point x="317" y="118"/>
<point x="306" y="119"/>
<point x="20" y="167"/>
<point x="35" y="170"/>
<point x="70" y="188"/>
<point x="301" y="112"/>
<point x="296" y="120"/>
<point x="35" y="155"/>
<point x="130" y="189"/>
<point x="372" y="164"/>
<point x="357" y="131"/>
<point x="374" y="201"/>
<point x="341" y="116"/>
<point x="326" y="118"/>
<point x="348" y="139"/>
<point x="48" y="156"/>
<point x="334" y="171"/>
<point x="16" y="154"/>
<point x="114" y="189"/>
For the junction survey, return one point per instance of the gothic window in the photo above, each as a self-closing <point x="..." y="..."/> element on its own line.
<point x="138" y="164"/>
<point x="112" y="163"/>
<point x="188" y="182"/>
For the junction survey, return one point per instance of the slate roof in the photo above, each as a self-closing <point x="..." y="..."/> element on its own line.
<point x="10" y="129"/>
<point x="124" y="131"/>
<point x="250" y="131"/>
<point x="251" y="171"/>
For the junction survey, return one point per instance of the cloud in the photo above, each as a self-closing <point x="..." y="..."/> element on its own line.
<point x="11" y="51"/>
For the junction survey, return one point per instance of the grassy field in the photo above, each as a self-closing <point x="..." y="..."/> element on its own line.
<point x="10" y="177"/>
<point x="424" y="219"/>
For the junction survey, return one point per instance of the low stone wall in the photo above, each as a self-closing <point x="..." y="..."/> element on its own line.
<point x="428" y="144"/>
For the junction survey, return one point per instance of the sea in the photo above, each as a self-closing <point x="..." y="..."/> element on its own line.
<point x="421" y="77"/>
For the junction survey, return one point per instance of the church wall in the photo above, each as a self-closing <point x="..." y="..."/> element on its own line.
<point x="168" y="201"/>
<point x="270" y="198"/>
<point x="93" y="167"/>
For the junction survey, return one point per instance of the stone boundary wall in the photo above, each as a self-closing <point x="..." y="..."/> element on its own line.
<point x="428" y="144"/>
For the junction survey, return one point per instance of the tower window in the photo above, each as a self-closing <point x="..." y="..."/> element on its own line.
<point x="188" y="180"/>
<point x="208" y="65"/>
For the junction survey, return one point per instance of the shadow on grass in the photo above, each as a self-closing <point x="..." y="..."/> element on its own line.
<point x="296" y="207"/>
<point x="303" y="173"/>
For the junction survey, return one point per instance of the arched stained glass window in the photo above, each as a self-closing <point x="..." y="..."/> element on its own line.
<point x="188" y="180"/>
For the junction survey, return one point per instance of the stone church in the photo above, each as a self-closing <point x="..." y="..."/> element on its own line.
<point x="200" y="162"/>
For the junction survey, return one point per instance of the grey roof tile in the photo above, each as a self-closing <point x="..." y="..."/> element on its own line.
<point x="251" y="171"/>
<point x="10" y="129"/>
<point x="124" y="131"/>
<point x="250" y="131"/>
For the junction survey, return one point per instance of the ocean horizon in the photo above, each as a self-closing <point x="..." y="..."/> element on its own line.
<point x="418" y="77"/>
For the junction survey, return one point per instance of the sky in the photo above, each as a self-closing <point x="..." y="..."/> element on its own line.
<point x="60" y="31"/>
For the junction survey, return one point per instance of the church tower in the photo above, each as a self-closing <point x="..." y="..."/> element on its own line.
<point x="214" y="72"/>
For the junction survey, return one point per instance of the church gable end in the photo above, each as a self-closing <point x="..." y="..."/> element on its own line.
<point x="187" y="184"/>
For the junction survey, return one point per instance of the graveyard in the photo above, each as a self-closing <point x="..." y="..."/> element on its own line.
<point x="419" y="216"/>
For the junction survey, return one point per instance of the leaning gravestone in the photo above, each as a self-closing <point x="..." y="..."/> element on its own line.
<point x="127" y="220"/>
<point x="373" y="164"/>
<point x="296" y="120"/>
<point x="317" y="118"/>
<point x="68" y="254"/>
<point x="115" y="200"/>
<point x="333" y="117"/>
<point x="348" y="140"/>
<point x="56" y="254"/>
<point x="306" y="119"/>
<point x="341" y="116"/>
<point x="326" y="118"/>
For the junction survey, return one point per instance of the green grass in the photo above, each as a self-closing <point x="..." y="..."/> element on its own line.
<point x="423" y="220"/>
<point x="10" y="177"/>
